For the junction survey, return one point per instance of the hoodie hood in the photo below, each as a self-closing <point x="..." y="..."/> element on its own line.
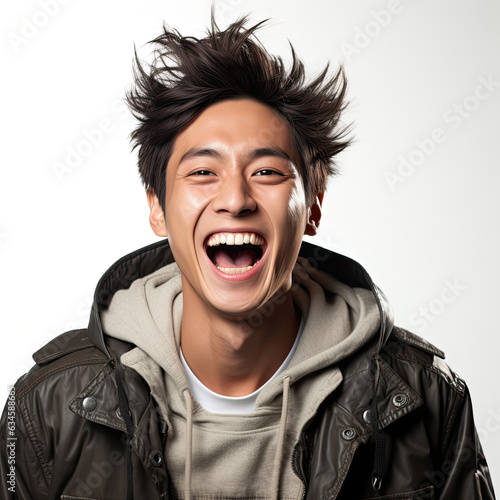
<point x="338" y="320"/>
<point x="151" y="258"/>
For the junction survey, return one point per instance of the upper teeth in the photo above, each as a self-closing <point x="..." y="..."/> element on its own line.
<point x="234" y="239"/>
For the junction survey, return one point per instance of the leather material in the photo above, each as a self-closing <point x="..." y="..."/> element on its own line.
<point x="67" y="449"/>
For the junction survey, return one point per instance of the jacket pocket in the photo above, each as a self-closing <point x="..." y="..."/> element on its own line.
<point x="424" y="494"/>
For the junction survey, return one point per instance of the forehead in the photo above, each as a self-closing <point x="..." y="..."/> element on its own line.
<point x="236" y="126"/>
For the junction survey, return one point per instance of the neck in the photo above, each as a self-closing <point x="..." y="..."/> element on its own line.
<point x="228" y="355"/>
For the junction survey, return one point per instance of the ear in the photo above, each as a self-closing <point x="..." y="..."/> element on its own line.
<point x="314" y="215"/>
<point x="156" y="218"/>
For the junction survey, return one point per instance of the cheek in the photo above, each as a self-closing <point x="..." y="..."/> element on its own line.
<point x="183" y="210"/>
<point x="289" y="220"/>
<point x="296" y="208"/>
<point x="295" y="213"/>
<point x="184" y="207"/>
<point x="184" y="197"/>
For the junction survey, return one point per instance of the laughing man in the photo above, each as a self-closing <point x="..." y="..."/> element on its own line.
<point x="232" y="360"/>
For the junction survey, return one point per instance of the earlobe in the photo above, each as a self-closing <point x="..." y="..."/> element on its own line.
<point x="314" y="215"/>
<point x="156" y="218"/>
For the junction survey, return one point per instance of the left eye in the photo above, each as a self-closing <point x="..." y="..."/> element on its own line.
<point x="202" y="172"/>
<point x="268" y="172"/>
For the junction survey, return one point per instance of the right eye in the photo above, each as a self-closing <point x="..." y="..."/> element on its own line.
<point x="202" y="172"/>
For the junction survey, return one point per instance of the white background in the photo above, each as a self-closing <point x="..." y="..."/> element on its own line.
<point x="434" y="236"/>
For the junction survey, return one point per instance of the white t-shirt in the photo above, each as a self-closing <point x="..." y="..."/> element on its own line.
<point x="217" y="403"/>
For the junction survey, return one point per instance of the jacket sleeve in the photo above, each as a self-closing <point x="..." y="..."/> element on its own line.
<point x="20" y="469"/>
<point x="464" y="473"/>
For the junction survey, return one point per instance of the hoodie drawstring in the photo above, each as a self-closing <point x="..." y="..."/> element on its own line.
<point x="189" y="444"/>
<point x="278" y="459"/>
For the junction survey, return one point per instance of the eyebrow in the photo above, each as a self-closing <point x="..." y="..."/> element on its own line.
<point x="256" y="153"/>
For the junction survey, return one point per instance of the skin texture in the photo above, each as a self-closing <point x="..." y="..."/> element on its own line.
<point x="235" y="334"/>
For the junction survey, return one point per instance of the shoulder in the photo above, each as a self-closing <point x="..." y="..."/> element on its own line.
<point x="42" y="403"/>
<point x="415" y="357"/>
<point x="69" y="354"/>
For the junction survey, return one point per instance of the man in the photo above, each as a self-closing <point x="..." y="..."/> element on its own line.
<point x="231" y="359"/>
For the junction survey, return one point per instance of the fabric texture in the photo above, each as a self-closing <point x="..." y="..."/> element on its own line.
<point x="85" y="426"/>
<point x="234" y="454"/>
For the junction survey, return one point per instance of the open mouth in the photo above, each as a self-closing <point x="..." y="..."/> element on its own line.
<point x="235" y="253"/>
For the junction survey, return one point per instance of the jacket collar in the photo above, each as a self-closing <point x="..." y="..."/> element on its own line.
<point x="148" y="259"/>
<point x="120" y="276"/>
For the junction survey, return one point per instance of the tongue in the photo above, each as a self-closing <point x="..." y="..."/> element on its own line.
<point x="241" y="259"/>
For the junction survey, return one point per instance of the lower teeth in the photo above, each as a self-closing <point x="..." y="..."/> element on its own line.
<point x="233" y="270"/>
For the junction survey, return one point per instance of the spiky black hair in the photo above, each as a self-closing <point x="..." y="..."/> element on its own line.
<point x="189" y="74"/>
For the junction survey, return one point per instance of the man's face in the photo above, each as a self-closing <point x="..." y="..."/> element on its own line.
<point x="232" y="177"/>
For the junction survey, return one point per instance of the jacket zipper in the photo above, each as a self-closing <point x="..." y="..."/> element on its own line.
<point x="296" y="472"/>
<point x="163" y="428"/>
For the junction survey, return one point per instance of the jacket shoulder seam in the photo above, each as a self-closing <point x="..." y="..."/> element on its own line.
<point x="23" y="391"/>
<point x="63" y="352"/>
<point x="454" y="381"/>
<point x="416" y="341"/>
<point x="63" y="344"/>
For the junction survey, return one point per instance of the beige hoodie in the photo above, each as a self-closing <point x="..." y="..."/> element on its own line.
<point x="213" y="456"/>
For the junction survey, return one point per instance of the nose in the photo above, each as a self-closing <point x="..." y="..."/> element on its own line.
<point x="234" y="196"/>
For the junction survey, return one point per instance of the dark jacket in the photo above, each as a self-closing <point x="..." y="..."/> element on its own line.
<point x="80" y="425"/>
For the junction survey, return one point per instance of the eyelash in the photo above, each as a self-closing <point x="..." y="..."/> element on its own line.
<point x="269" y="170"/>
<point x="200" y="172"/>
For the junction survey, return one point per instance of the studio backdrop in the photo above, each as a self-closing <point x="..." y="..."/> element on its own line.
<point x="416" y="201"/>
